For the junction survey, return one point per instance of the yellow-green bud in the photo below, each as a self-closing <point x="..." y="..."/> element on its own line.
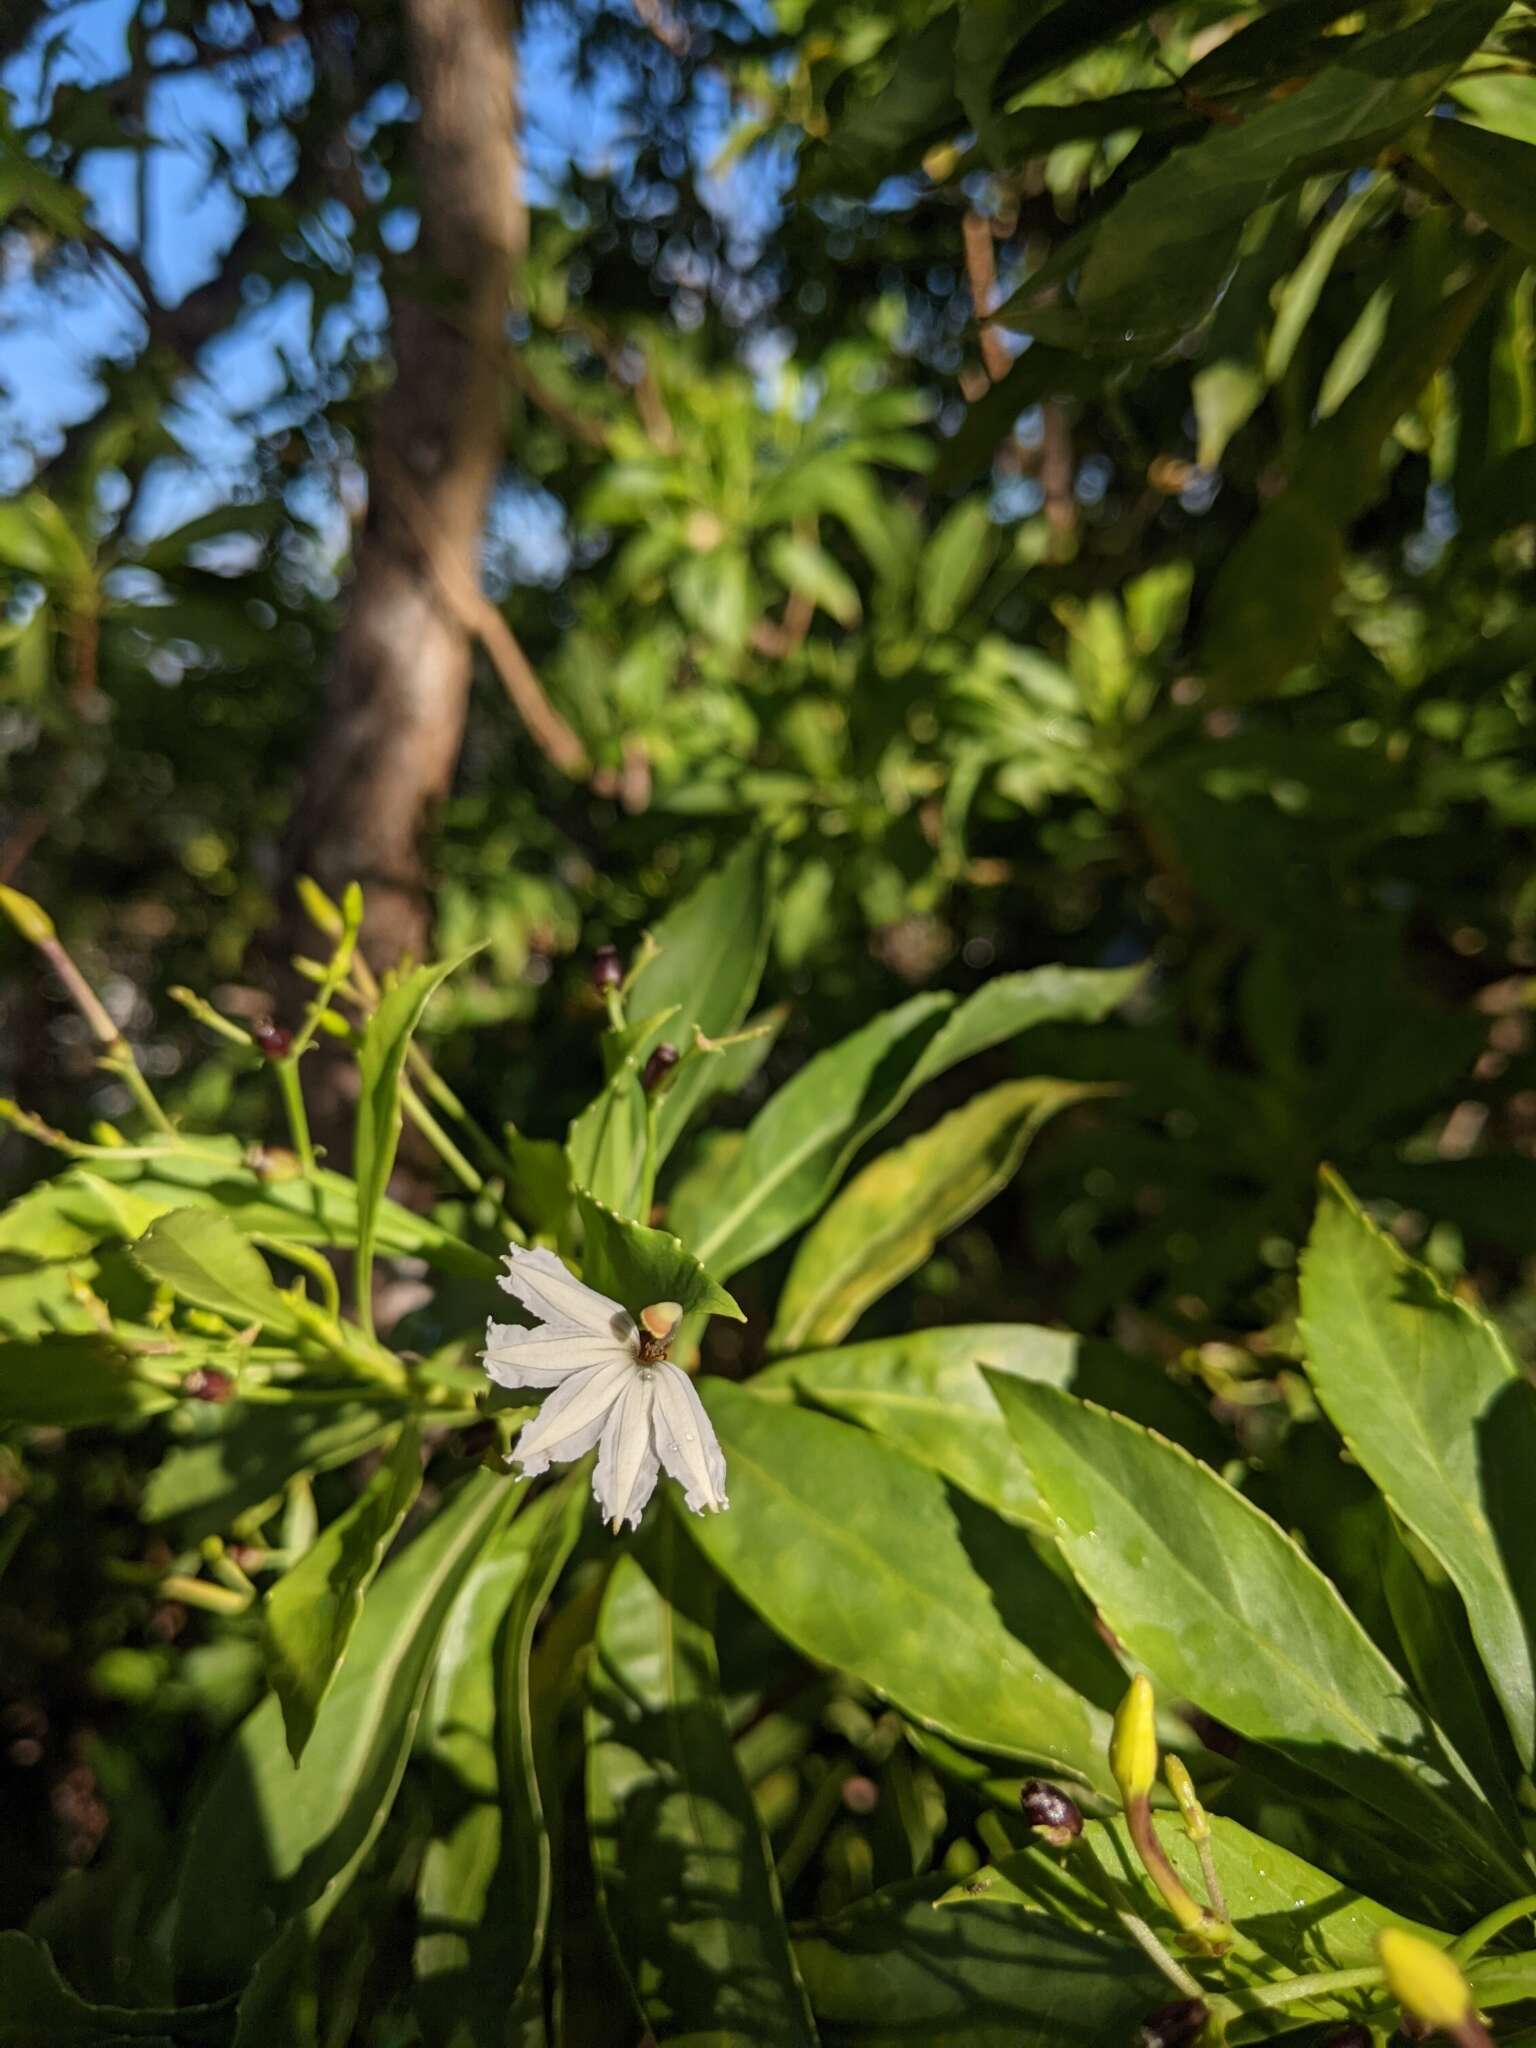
<point x="318" y="907"/>
<point x="1182" y="1786"/>
<point x="1133" y="1743"/>
<point x="29" y="918"/>
<point x="1426" y="1981"/>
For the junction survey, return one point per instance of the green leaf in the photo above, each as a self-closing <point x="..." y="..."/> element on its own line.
<point x="37" y="539"/>
<point x="954" y="562"/>
<point x="805" y="567"/>
<point x="1295" y="1919"/>
<point x="1226" y="1611"/>
<point x="1430" y="1403"/>
<point x="708" y="963"/>
<point x="867" y="1563"/>
<point x="258" y="1192"/>
<point x="1273" y="598"/>
<point x="39" y="2010"/>
<point x="74" y="1383"/>
<point x="928" y="1395"/>
<point x="684" y="1874"/>
<point x="526" y="1734"/>
<point x="203" y="1259"/>
<point x="1159" y="260"/>
<point x="380" y="1062"/>
<point x="312" y="1611"/>
<point x="481" y="1894"/>
<point x="801" y="1140"/>
<point x="892" y="1973"/>
<point x="888" y="1219"/>
<point x="1298" y="296"/>
<point x="249" y="1457"/>
<point x="1491" y="175"/>
<point x="636" y="1265"/>
<point x="272" y="1843"/>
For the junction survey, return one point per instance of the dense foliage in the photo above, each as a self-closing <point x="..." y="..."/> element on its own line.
<point x="994" y="822"/>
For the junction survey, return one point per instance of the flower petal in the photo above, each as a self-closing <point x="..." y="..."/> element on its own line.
<point x="516" y="1357"/>
<point x="625" y="1475"/>
<point x="571" y="1420"/>
<point x="686" y="1442"/>
<point x="548" y="1289"/>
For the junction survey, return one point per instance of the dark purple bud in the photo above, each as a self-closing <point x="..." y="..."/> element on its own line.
<point x="1175" y="2025"/>
<point x="661" y="1061"/>
<point x="1352" y="2036"/>
<point x="273" y="1039"/>
<point x="606" y="971"/>
<point x="207" y="1383"/>
<point x="1054" y="1817"/>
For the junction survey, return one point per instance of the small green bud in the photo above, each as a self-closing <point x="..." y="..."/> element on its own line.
<point x="318" y="907"/>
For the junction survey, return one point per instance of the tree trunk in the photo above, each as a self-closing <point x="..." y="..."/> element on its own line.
<point x="393" y="721"/>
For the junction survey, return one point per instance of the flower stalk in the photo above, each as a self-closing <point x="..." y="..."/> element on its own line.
<point x="1133" y="1758"/>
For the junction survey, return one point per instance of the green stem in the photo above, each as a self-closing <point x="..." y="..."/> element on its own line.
<point x="292" y="1091"/>
<point x="820" y="1812"/>
<point x="1145" y="1939"/>
<point x="467" y="1175"/>
<point x="489" y="1153"/>
<point x="1298" y="1990"/>
<point x="314" y="1263"/>
<point x="1492" y="1924"/>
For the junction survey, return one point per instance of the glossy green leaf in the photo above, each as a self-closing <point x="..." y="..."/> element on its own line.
<point x="312" y="1611"/>
<point x="74" y="1382"/>
<point x="1431" y="1404"/>
<point x="927" y="1393"/>
<point x="1294" y="1920"/>
<point x="271" y="1842"/>
<point x="1491" y="175"/>
<point x="380" y="1063"/>
<point x="799" y="1143"/>
<point x="1227" y="1612"/>
<point x="1159" y="260"/>
<point x="893" y="1973"/>
<point x="888" y="1219"/>
<point x="684" y="1874"/>
<point x="204" y="1260"/>
<point x="867" y="1563"/>
<point x="1298" y="296"/>
<point x="636" y="1265"/>
<point x="481" y="1892"/>
<point x="708" y="962"/>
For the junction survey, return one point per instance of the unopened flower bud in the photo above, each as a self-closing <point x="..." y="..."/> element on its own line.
<point x="1174" y="2025"/>
<point x="1353" y="2036"/>
<point x="1054" y="1817"/>
<point x="1133" y="1742"/>
<point x="606" y="971"/>
<point x="273" y="1039"/>
<point x="860" y="1794"/>
<point x="1426" y="1981"/>
<point x="661" y="1062"/>
<point x="273" y="1162"/>
<point x="30" y="919"/>
<point x="207" y="1383"/>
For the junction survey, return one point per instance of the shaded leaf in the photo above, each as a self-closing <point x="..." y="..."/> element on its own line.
<point x="73" y="1383"/>
<point x="867" y="1563"/>
<point x="684" y="1874"/>
<point x="312" y="1611"/>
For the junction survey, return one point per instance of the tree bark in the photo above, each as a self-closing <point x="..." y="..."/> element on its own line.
<point x="393" y="721"/>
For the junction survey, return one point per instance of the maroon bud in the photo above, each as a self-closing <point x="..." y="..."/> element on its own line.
<point x="861" y="1795"/>
<point x="273" y="1039"/>
<point x="207" y="1383"/>
<point x="606" y="971"/>
<point x="1352" y="2036"/>
<point x="661" y="1061"/>
<point x="1054" y="1817"/>
<point x="1175" y="2025"/>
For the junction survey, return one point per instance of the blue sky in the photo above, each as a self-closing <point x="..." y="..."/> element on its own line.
<point x="53" y="334"/>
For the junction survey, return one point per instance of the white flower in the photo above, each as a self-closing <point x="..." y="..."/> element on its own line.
<point x="612" y="1387"/>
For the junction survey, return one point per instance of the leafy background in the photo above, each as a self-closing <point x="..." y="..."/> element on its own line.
<point x="989" y="490"/>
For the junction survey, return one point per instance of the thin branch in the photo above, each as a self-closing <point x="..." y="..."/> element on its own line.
<point x="981" y="275"/>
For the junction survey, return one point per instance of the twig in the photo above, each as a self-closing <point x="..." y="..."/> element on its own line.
<point x="981" y="275"/>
